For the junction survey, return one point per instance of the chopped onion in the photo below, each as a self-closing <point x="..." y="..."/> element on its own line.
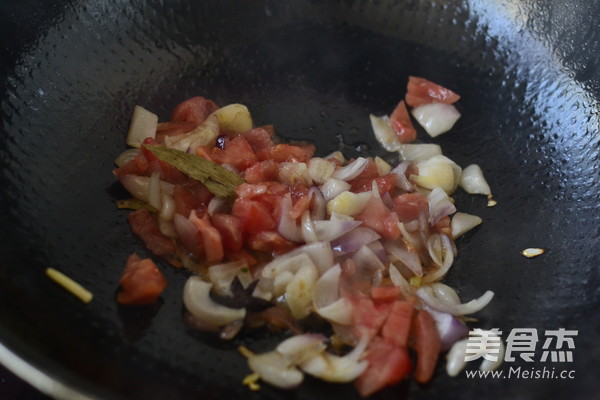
<point x="333" y="187"/>
<point x="318" y="205"/>
<point x="287" y="226"/>
<point x="436" y="118"/>
<point x="402" y="182"/>
<point x="349" y="203"/>
<point x="377" y="248"/>
<point x="234" y="117"/>
<point x="274" y="368"/>
<point x="294" y="172"/>
<point x="216" y="205"/>
<point x="383" y="168"/>
<point x="455" y="359"/>
<point x="138" y="186"/>
<point x="441" y="252"/>
<point x="222" y="275"/>
<point x="439" y="205"/>
<point x="336" y="155"/>
<point x="351" y="170"/>
<point x="473" y="181"/>
<point x="320" y="254"/>
<point x="286" y="262"/>
<point x="419" y="152"/>
<point x="308" y="229"/>
<point x="143" y="125"/>
<point x="462" y="223"/>
<point x="438" y="171"/>
<point x="168" y="208"/>
<point x="320" y="169"/>
<point x="427" y="294"/>
<point x="384" y="133"/>
<point x="186" y="231"/>
<point x="410" y="259"/>
<point x="450" y="328"/>
<point x="126" y="156"/>
<point x="353" y="240"/>
<point x="202" y="135"/>
<point x="197" y="300"/>
<point x="299" y="348"/>
<point x="368" y="266"/>
<point x="154" y="192"/>
<point x="333" y="229"/>
<point x="299" y="291"/>
<point x="399" y="280"/>
<point x="327" y="287"/>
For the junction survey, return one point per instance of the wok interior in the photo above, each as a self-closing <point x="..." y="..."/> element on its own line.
<point x="315" y="71"/>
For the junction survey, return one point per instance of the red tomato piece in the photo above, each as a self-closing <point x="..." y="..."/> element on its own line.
<point x="402" y="124"/>
<point x="262" y="171"/>
<point x="408" y="206"/>
<point x="191" y="195"/>
<point x="255" y="216"/>
<point x="230" y="229"/>
<point x="388" y="365"/>
<point x="194" y="110"/>
<point x="236" y="152"/>
<point x="211" y="239"/>
<point x="370" y="172"/>
<point x="260" y="137"/>
<point x="427" y="344"/>
<point x="369" y="317"/>
<point x="379" y="218"/>
<point x="141" y="283"/>
<point x="397" y="327"/>
<point x="385" y="293"/>
<point x="385" y="184"/>
<point x="137" y="166"/>
<point x="287" y="152"/>
<point x="145" y="225"/>
<point x="270" y="242"/>
<point x="420" y="91"/>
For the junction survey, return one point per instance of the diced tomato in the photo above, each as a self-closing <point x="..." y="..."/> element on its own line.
<point x="369" y="317"/>
<point x="204" y="152"/>
<point x="141" y="283"/>
<point x="385" y="293"/>
<point x="260" y="137"/>
<point x="408" y="206"/>
<point x="211" y="239"/>
<point x="379" y="218"/>
<point x="230" y="228"/>
<point x="385" y="184"/>
<point x="427" y="344"/>
<point x="255" y="216"/>
<point x="194" y="110"/>
<point x="145" y="225"/>
<point x="299" y="207"/>
<point x="191" y="195"/>
<point x="270" y="242"/>
<point x="397" y="327"/>
<point x="172" y="128"/>
<point x="443" y="226"/>
<point x="236" y="152"/>
<point x="262" y="171"/>
<point x="370" y="172"/>
<point x="137" y="166"/>
<point x="402" y="124"/>
<point x="287" y="153"/>
<point x="388" y="365"/>
<point x="421" y="91"/>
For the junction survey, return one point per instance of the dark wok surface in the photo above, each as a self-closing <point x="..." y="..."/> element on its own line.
<point x="529" y="75"/>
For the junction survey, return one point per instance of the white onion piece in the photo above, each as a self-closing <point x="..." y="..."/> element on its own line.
<point x="410" y="259"/>
<point x="234" y="117"/>
<point x="420" y="151"/>
<point x="286" y="262"/>
<point x="299" y="348"/>
<point x="294" y="172"/>
<point x="299" y="292"/>
<point x="455" y="359"/>
<point x="333" y="187"/>
<point x="336" y="155"/>
<point x="320" y="169"/>
<point x="327" y="287"/>
<point x="351" y="170"/>
<point x="186" y="231"/>
<point x="126" y="156"/>
<point x="368" y="266"/>
<point x="331" y="230"/>
<point x="383" y="168"/>
<point x="436" y="118"/>
<point x="353" y="240"/>
<point x="273" y="368"/>
<point x="413" y="240"/>
<point x="287" y="226"/>
<point x="463" y="223"/>
<point x="202" y="135"/>
<point x="281" y="281"/>
<point x="264" y="289"/>
<point x="318" y="205"/>
<point x="400" y="281"/>
<point x="349" y="203"/>
<point x="439" y="205"/>
<point x="427" y="294"/>
<point x="339" y="312"/>
<point x="450" y="328"/>
<point x="308" y="229"/>
<point x="143" y="125"/>
<point x="332" y="368"/>
<point x="222" y="275"/>
<point x="438" y="171"/>
<point x="167" y="228"/>
<point x="445" y="293"/>
<point x="216" y="205"/>
<point x="138" y="186"/>
<point x="154" y="192"/>
<point x="441" y="252"/>
<point x="377" y="248"/>
<point x="320" y="253"/>
<point x="168" y="208"/>
<point x="196" y="298"/>
<point x="384" y="133"/>
<point x="473" y="181"/>
<point x="402" y="182"/>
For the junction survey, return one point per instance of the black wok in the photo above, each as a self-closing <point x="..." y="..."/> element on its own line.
<point x="529" y="76"/>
